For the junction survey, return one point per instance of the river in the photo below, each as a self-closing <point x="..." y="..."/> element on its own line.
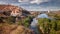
<point x="34" y="23"/>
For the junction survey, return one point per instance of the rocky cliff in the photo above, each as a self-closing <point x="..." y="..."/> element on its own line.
<point x="12" y="10"/>
<point x="8" y="9"/>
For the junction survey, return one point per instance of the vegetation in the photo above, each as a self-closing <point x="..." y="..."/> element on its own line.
<point x="50" y="26"/>
<point x="27" y="21"/>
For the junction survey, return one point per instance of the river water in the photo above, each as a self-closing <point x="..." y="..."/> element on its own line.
<point x="34" y="23"/>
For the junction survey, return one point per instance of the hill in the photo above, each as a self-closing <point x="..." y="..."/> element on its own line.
<point x="8" y="9"/>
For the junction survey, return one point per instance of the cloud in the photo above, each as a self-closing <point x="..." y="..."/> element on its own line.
<point x="9" y="0"/>
<point x="33" y="1"/>
<point x="2" y="2"/>
<point x="26" y="1"/>
<point x="39" y="1"/>
<point x="23" y="0"/>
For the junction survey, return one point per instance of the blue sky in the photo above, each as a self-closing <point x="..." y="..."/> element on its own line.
<point x="35" y="5"/>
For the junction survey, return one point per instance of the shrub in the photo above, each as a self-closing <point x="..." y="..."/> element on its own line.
<point x="10" y="20"/>
<point x="48" y="25"/>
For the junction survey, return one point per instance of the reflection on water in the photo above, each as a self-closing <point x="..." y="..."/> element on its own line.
<point x="42" y="16"/>
<point x="34" y="22"/>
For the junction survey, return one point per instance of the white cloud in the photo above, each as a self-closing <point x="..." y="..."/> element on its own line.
<point x="1" y="2"/>
<point x="8" y="1"/>
<point x="38" y="1"/>
<point x="23" y="0"/>
<point x="33" y="1"/>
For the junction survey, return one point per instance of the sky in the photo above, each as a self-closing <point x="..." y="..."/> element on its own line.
<point x="35" y="5"/>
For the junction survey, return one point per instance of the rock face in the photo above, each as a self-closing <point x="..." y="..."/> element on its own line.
<point x="10" y="10"/>
<point x="15" y="29"/>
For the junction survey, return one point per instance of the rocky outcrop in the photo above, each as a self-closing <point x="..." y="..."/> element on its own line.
<point x="25" y="12"/>
<point x="7" y="10"/>
<point x="10" y="10"/>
